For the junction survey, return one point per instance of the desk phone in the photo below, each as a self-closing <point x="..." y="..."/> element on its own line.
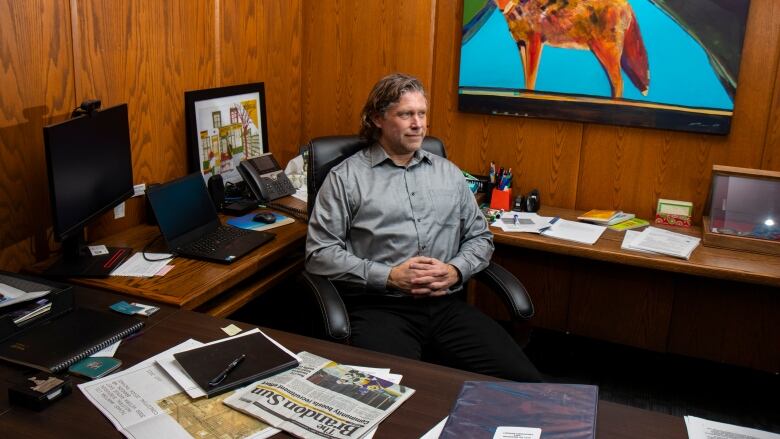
<point x="265" y="178"/>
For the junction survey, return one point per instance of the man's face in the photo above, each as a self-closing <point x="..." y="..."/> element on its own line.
<point x="403" y="125"/>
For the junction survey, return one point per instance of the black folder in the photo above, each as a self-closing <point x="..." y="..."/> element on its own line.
<point x="60" y="342"/>
<point x="263" y="359"/>
<point x="560" y="410"/>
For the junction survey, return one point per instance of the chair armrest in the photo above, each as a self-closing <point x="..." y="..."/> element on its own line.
<point x="332" y="308"/>
<point x="509" y="288"/>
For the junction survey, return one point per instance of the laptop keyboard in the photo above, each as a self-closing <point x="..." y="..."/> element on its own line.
<point x="208" y="244"/>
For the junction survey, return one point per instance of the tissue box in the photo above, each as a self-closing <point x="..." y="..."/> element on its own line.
<point x="669" y="219"/>
<point x="673" y="212"/>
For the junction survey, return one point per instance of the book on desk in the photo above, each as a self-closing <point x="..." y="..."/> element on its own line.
<point x="53" y="339"/>
<point x="605" y="217"/>
<point x="60" y="342"/>
<point x="220" y="367"/>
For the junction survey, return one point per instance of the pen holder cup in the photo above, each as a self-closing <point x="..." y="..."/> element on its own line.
<point x="500" y="199"/>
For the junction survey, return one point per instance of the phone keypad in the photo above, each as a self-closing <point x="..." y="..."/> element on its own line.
<point x="277" y="187"/>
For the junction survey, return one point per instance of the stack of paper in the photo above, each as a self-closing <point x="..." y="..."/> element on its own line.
<point x="574" y="231"/>
<point x="138" y="266"/>
<point x="655" y="240"/>
<point x="522" y="222"/>
<point x="145" y="402"/>
<point x="11" y="295"/>
<point x="699" y="428"/>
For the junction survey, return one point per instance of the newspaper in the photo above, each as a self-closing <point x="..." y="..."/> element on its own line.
<point x="321" y="399"/>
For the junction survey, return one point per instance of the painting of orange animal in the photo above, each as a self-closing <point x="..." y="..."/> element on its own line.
<point x="608" y="28"/>
<point x="655" y="63"/>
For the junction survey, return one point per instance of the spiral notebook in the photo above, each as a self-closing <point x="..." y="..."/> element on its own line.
<point x="55" y="345"/>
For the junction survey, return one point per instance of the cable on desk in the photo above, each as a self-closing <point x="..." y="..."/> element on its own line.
<point x="149" y="244"/>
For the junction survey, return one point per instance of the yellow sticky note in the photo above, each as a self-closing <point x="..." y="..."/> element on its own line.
<point x="232" y="329"/>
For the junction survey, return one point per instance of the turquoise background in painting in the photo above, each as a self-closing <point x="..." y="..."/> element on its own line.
<point x="680" y="72"/>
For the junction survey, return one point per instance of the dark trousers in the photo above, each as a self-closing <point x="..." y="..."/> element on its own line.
<point x="445" y="329"/>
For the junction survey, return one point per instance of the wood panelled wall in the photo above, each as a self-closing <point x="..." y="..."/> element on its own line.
<point x="56" y="53"/>
<point x="318" y="60"/>
<point x="585" y="166"/>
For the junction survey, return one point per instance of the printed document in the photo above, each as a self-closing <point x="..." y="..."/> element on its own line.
<point x="144" y="402"/>
<point x="662" y="241"/>
<point x="137" y="266"/>
<point x="574" y="231"/>
<point x="522" y="222"/>
<point x="631" y="235"/>
<point x="699" y="428"/>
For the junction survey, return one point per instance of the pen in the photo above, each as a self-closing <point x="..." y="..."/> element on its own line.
<point x="221" y="377"/>
<point x="504" y="182"/>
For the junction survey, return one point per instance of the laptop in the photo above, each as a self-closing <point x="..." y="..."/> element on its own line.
<point x="190" y="225"/>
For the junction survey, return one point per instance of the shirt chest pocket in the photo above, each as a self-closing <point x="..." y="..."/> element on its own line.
<point x="446" y="209"/>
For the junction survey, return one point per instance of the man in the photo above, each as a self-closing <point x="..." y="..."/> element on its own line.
<point x="399" y="230"/>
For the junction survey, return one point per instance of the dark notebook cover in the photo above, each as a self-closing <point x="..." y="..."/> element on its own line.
<point x="560" y="410"/>
<point x="55" y="345"/>
<point x="263" y="359"/>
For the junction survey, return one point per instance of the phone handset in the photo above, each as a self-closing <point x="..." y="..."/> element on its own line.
<point x="265" y="178"/>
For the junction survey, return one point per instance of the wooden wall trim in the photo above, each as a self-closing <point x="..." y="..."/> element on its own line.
<point x="770" y="158"/>
<point x="217" y="42"/>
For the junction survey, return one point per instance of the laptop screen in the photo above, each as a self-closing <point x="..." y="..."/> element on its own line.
<point x="182" y="206"/>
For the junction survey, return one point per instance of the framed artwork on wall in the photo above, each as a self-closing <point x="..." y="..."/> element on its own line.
<point x="670" y="64"/>
<point x="224" y="126"/>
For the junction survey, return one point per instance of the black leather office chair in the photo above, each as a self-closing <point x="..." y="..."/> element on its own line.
<point x="323" y="154"/>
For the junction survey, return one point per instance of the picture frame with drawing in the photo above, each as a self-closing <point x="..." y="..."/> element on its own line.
<point x="224" y="126"/>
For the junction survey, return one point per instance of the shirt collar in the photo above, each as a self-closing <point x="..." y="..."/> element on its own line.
<point x="377" y="155"/>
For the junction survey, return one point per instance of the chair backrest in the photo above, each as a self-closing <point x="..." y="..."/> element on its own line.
<point x="326" y="152"/>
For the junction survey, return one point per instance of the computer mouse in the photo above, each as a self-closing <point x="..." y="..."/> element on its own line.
<point x="264" y="217"/>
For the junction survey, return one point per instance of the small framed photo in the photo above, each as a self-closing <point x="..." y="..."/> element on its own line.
<point x="225" y="125"/>
<point x="743" y="210"/>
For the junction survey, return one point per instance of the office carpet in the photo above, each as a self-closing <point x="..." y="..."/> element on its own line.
<point x="665" y="383"/>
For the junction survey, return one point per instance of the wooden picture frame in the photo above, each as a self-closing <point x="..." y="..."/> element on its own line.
<point x="743" y="210"/>
<point x="656" y="64"/>
<point x="225" y="125"/>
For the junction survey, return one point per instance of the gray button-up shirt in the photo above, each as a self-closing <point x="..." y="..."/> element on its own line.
<point x="371" y="215"/>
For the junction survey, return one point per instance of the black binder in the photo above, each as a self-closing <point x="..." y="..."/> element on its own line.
<point x="263" y="359"/>
<point x="56" y="344"/>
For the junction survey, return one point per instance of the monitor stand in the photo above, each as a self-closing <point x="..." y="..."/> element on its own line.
<point x="77" y="261"/>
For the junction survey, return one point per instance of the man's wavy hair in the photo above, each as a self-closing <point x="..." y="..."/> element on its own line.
<point x="385" y="93"/>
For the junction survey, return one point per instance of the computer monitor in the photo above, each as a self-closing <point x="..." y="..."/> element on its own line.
<point x="90" y="172"/>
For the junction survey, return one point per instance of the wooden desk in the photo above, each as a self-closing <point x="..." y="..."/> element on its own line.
<point x="710" y="262"/>
<point x="722" y="305"/>
<point x="436" y="388"/>
<point x="217" y="289"/>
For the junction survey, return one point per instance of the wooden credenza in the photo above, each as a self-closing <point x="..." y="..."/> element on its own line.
<point x="722" y="305"/>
